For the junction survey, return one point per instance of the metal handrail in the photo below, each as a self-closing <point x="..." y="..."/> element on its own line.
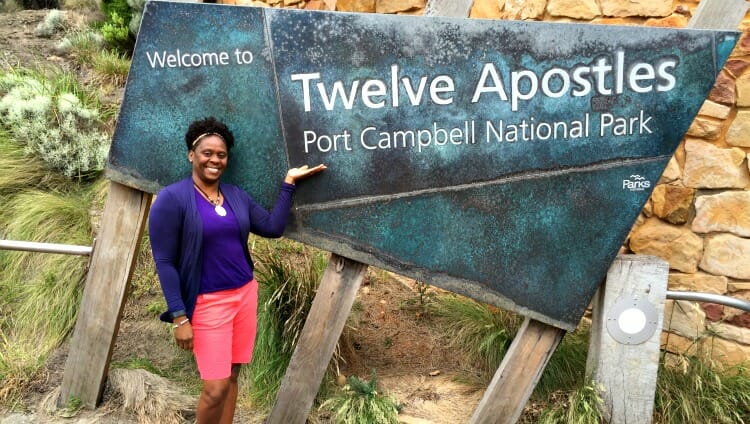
<point x="30" y="246"/>
<point x="86" y="251"/>
<point x="709" y="297"/>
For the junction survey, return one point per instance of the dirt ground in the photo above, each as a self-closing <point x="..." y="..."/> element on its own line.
<point x="413" y="363"/>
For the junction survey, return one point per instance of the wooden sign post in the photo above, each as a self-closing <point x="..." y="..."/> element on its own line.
<point x="317" y="341"/>
<point x="104" y="295"/>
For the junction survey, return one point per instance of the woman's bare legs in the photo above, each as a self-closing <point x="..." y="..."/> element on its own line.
<point x="218" y="399"/>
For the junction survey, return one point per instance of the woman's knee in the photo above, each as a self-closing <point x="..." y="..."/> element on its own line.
<point x="215" y="391"/>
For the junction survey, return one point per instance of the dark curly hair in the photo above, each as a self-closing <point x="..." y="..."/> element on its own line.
<point x="203" y="127"/>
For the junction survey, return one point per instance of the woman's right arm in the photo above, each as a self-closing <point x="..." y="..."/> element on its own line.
<point x="165" y="233"/>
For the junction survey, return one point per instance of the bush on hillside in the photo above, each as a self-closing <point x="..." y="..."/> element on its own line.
<point x="54" y="124"/>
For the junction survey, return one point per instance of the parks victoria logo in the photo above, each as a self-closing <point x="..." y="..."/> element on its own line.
<point x="636" y="183"/>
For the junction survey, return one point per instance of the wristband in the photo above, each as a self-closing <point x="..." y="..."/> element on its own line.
<point x="181" y="323"/>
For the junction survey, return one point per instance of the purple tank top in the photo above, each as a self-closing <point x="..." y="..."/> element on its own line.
<point x="224" y="263"/>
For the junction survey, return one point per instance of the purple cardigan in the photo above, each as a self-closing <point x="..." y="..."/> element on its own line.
<point x="176" y="234"/>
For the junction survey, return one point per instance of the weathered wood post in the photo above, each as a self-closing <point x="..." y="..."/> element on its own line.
<point x="624" y="347"/>
<point x="515" y="379"/>
<point x="326" y="320"/>
<point x="104" y="295"/>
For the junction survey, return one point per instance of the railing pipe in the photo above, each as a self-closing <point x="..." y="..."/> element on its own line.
<point x="29" y="246"/>
<point x="709" y="297"/>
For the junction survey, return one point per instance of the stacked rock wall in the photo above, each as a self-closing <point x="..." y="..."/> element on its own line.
<point x="698" y="217"/>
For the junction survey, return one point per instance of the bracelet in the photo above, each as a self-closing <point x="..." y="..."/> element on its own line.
<point x="181" y="323"/>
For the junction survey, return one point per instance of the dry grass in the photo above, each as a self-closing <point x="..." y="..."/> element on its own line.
<point x="151" y="398"/>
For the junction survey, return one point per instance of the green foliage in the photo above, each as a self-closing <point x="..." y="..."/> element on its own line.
<point x="116" y="33"/>
<point x="53" y="23"/>
<point x="286" y="289"/>
<point x="55" y="120"/>
<point x="72" y="407"/>
<point x="700" y="391"/>
<point x="581" y="406"/>
<point x="38" y="4"/>
<point x="136" y="6"/>
<point x="482" y="332"/>
<point x="360" y="402"/>
<point x="116" y="27"/>
<point x="43" y="291"/>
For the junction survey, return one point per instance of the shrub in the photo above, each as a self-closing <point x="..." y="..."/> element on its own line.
<point x="54" y="123"/>
<point x="137" y="8"/>
<point x="116" y="29"/>
<point x="117" y="33"/>
<point x="54" y="22"/>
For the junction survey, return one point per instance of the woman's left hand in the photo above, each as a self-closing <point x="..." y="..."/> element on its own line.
<point x="305" y="171"/>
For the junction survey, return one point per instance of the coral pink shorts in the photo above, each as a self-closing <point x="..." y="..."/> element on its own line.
<point x="224" y="325"/>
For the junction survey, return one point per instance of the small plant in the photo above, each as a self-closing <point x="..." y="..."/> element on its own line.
<point x="702" y="391"/>
<point x="359" y="402"/>
<point x="56" y="121"/>
<point x="582" y="405"/>
<point x="53" y="23"/>
<point x="83" y="46"/>
<point x="72" y="407"/>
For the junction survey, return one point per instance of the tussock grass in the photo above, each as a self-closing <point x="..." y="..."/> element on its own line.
<point x="22" y="172"/>
<point x="112" y="66"/>
<point x="702" y="391"/>
<point x="42" y="290"/>
<point x="567" y="366"/>
<point x="482" y="332"/>
<point x="287" y="287"/>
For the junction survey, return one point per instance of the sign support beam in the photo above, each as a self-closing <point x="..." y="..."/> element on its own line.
<point x="515" y="379"/>
<point x="112" y="262"/>
<point x="330" y="309"/>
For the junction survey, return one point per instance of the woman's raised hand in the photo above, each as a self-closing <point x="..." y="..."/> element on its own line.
<point x="294" y="174"/>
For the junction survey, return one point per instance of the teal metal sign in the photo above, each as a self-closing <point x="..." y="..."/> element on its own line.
<point x="501" y="160"/>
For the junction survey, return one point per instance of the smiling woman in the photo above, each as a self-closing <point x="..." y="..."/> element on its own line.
<point x="199" y="229"/>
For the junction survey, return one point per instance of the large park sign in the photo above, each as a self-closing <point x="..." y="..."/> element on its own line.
<point x="505" y="161"/>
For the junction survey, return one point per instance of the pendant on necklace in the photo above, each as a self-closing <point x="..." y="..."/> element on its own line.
<point x="220" y="210"/>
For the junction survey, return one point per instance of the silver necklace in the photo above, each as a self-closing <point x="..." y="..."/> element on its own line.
<point x="217" y="207"/>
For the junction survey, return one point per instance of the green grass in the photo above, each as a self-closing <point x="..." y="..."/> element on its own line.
<point x="702" y="392"/>
<point x="42" y="290"/>
<point x="483" y="333"/>
<point x="20" y="171"/>
<point x="287" y="287"/>
<point x="580" y="405"/>
<point x="112" y="66"/>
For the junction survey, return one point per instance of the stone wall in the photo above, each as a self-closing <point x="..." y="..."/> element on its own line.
<point x="698" y="217"/>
